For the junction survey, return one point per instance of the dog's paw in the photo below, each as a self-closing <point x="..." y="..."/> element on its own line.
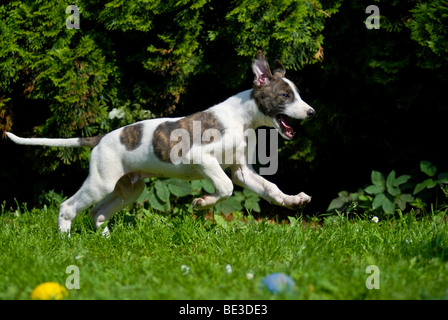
<point x="199" y="202"/>
<point x="204" y="202"/>
<point x="64" y="226"/>
<point x="304" y="197"/>
<point x="296" y="201"/>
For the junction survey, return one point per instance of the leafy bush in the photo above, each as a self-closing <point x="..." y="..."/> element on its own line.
<point x="428" y="28"/>
<point x="388" y="192"/>
<point x="166" y="194"/>
<point x="391" y="193"/>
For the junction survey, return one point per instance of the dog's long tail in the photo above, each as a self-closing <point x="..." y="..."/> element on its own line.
<point x="70" y="142"/>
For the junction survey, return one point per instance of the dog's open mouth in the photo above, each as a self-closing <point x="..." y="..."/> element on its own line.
<point x="285" y="124"/>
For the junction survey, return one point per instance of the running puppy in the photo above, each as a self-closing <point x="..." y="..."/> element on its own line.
<point x="121" y="159"/>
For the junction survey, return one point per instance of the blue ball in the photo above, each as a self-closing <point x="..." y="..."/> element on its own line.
<point x="278" y="282"/>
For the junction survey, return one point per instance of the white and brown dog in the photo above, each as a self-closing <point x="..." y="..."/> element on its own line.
<point x="121" y="159"/>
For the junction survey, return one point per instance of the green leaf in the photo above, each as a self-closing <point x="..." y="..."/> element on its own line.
<point x="207" y="186"/>
<point x="252" y="201"/>
<point x="229" y="205"/>
<point x="180" y="188"/>
<point x="403" y="199"/>
<point x="419" y="187"/>
<point x="401" y="204"/>
<point x="378" y="201"/>
<point x="345" y="195"/>
<point x="252" y="204"/>
<point x="388" y="205"/>
<point x="427" y="184"/>
<point x="196" y="187"/>
<point x="378" y="179"/>
<point x="238" y="195"/>
<point x="250" y="194"/>
<point x="374" y="189"/>
<point x="428" y="168"/>
<point x="402" y="179"/>
<point x="162" y="190"/>
<point x="406" y="197"/>
<point x="143" y="196"/>
<point x="156" y="203"/>
<point x="393" y="191"/>
<point x="443" y="178"/>
<point x="363" y="198"/>
<point x="390" y="182"/>
<point x="336" y="203"/>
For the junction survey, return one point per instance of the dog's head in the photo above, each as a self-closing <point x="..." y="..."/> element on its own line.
<point x="277" y="97"/>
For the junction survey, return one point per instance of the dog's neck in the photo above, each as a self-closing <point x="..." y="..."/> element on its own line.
<point x="243" y="109"/>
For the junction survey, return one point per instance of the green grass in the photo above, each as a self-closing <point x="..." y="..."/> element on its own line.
<point x="143" y="257"/>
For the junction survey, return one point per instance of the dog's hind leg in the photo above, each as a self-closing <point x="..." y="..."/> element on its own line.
<point x="92" y="191"/>
<point x="126" y="191"/>
<point x="98" y="185"/>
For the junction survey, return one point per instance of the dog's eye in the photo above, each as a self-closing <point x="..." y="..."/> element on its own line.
<point x="285" y="95"/>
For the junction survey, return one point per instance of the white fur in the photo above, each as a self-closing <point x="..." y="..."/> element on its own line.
<point x="72" y="142"/>
<point x="299" y="108"/>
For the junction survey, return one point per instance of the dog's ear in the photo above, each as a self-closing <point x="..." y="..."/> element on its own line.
<point x="261" y="69"/>
<point x="279" y="69"/>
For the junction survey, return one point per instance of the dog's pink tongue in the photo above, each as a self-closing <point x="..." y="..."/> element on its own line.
<point x="287" y="130"/>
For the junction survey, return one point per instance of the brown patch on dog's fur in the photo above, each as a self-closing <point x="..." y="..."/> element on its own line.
<point x="131" y="136"/>
<point x="90" y="141"/>
<point x="161" y="138"/>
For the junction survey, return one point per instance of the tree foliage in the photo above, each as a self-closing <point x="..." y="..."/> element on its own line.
<point x="428" y="28"/>
<point x="143" y="52"/>
<point x="138" y="59"/>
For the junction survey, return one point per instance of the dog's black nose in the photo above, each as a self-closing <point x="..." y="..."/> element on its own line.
<point x="311" y="113"/>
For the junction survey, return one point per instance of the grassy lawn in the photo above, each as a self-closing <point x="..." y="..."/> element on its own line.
<point x="152" y="256"/>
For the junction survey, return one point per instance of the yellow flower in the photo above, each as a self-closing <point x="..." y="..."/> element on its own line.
<point x="49" y="291"/>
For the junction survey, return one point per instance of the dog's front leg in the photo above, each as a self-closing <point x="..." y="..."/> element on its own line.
<point x="245" y="176"/>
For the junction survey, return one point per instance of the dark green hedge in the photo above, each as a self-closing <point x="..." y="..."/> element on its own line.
<point x="379" y="93"/>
